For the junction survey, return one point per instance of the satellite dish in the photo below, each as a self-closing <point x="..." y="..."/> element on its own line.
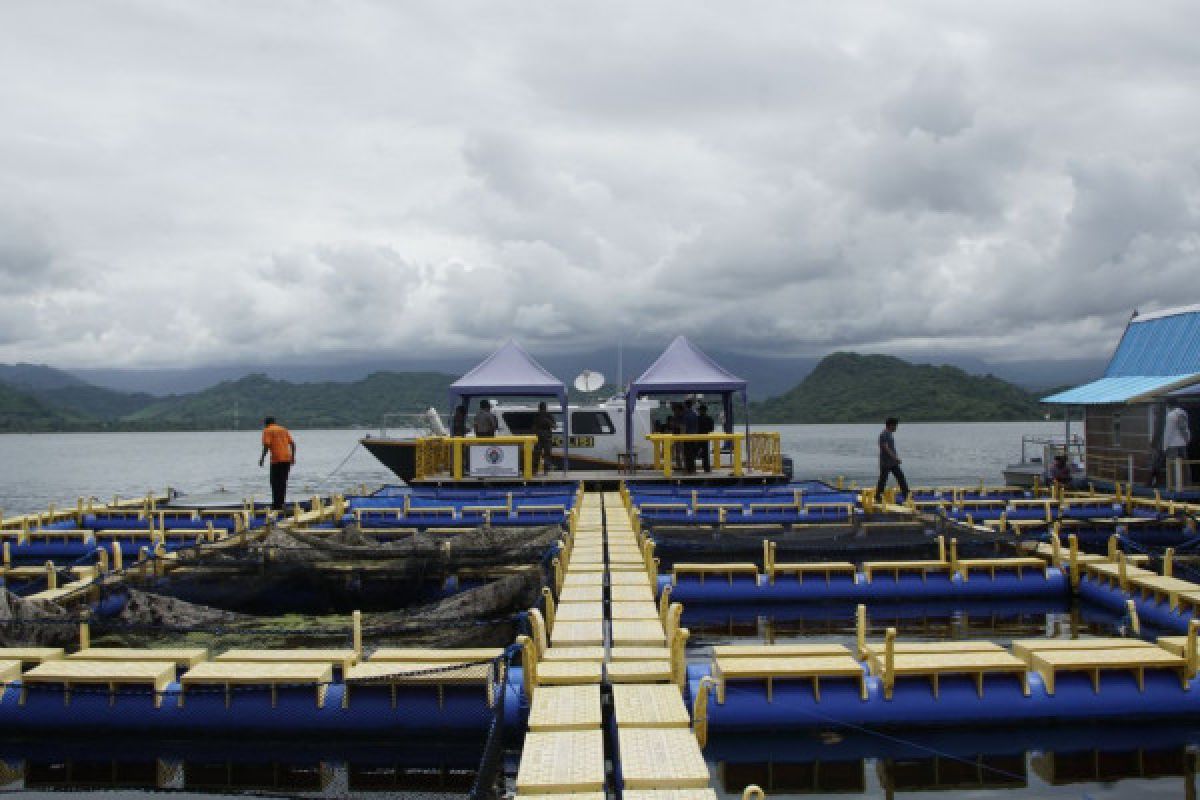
<point x="588" y="381"/>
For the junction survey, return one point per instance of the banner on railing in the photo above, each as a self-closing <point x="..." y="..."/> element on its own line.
<point x="495" y="461"/>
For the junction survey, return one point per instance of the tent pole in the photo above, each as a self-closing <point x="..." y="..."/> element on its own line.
<point x="566" y="466"/>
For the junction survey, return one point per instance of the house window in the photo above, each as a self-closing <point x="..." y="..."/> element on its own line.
<point x="590" y="423"/>
<point x="1116" y="428"/>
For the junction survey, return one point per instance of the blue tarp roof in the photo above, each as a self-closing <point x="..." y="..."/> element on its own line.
<point x="508" y="372"/>
<point x="1157" y="353"/>
<point x="682" y="367"/>
<point x="1167" y="343"/>
<point x="1119" y="389"/>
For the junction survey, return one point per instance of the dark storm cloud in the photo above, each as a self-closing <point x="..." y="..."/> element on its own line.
<point x="291" y="181"/>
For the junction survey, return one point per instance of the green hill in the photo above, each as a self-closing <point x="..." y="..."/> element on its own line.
<point x="21" y="412"/>
<point x="297" y="405"/>
<point x="848" y="387"/>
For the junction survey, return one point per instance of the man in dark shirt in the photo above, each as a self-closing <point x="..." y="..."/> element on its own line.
<point x="889" y="460"/>
<point x="705" y="424"/>
<point x="485" y="421"/>
<point x="543" y="429"/>
<point x="691" y="424"/>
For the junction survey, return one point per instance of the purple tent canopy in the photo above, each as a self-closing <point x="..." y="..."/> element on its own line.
<point x="510" y="372"/>
<point x="682" y="367"/>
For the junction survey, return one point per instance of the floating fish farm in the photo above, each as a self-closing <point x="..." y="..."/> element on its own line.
<point x="661" y="639"/>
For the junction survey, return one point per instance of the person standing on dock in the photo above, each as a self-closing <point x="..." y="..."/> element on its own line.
<point x="1177" y="432"/>
<point x="486" y="423"/>
<point x="278" y="441"/>
<point x="705" y="424"/>
<point x="889" y="460"/>
<point x="691" y="424"/>
<point x="458" y="423"/>
<point x="543" y="429"/>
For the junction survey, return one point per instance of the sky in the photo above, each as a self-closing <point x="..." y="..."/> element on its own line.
<point x="196" y="183"/>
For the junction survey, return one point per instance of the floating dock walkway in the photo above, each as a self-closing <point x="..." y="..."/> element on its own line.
<point x="605" y="640"/>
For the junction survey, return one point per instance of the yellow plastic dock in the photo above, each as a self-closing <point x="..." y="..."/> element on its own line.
<point x="1048" y="663"/>
<point x="592" y="653"/>
<point x="633" y="610"/>
<point x="653" y="705"/>
<point x="9" y="671"/>
<point x="661" y="758"/>
<point x="776" y="650"/>
<point x="340" y="658"/>
<point x="113" y="674"/>
<point x="638" y="633"/>
<point x="824" y="569"/>
<point x="565" y="708"/>
<point x="812" y="668"/>
<point x="1025" y="649"/>
<point x="633" y="593"/>
<point x="991" y="566"/>
<point x="231" y="674"/>
<point x="658" y="754"/>
<point x="567" y="673"/>
<point x="582" y="594"/>
<point x="180" y="656"/>
<point x="669" y="794"/>
<point x="32" y="656"/>
<point x="933" y="666"/>
<point x="578" y="634"/>
<point x="898" y="568"/>
<point x="561" y="762"/>
<point x="655" y="671"/>
<point x="450" y="655"/>
<point x="705" y="572"/>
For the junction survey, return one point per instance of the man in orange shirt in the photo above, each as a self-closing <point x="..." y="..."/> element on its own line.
<point x="277" y="441"/>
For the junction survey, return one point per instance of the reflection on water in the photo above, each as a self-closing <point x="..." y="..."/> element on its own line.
<point x="291" y="768"/>
<point x="1090" y="762"/>
<point x="995" y="620"/>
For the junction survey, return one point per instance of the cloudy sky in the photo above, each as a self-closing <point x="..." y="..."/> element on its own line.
<point x="217" y="182"/>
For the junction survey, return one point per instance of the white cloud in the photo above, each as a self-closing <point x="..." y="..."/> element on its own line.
<point x="218" y="182"/>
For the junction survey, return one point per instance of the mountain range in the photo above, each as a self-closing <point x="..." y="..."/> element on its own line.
<point x="842" y="387"/>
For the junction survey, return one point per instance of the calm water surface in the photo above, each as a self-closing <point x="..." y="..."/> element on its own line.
<point x="38" y="469"/>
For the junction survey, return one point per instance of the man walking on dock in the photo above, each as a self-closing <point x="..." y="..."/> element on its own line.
<point x="277" y="441"/>
<point x="889" y="460"/>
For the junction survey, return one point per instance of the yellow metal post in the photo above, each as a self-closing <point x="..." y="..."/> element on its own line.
<point x="860" y="629"/>
<point x="700" y="711"/>
<point x="889" y="662"/>
<point x="1168" y="562"/>
<point x="1073" y="543"/>
<point x="527" y="448"/>
<point x="1193" y="654"/>
<point x="117" y="564"/>
<point x="737" y="454"/>
<point x="548" y="596"/>
<point x="85" y="633"/>
<point x="51" y="576"/>
<point x="457" y="446"/>
<point x="1134" y="622"/>
<point x="356" y="634"/>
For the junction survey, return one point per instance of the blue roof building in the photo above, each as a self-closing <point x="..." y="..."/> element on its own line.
<point x="1156" y="361"/>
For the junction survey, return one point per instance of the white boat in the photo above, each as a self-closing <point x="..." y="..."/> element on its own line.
<point x="594" y="431"/>
<point x="1037" y="453"/>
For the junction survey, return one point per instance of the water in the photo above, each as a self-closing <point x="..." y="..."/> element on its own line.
<point x="39" y="469"/>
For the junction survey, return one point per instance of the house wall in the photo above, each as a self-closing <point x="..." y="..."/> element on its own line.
<point x="1114" y="434"/>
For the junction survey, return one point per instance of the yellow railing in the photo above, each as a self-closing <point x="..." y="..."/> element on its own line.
<point x="764" y="453"/>
<point x="432" y="456"/>
<point x="457" y="443"/>
<point x="663" y="442"/>
<point x="1179" y="474"/>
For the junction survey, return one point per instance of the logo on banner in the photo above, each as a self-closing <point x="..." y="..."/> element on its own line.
<point x="494" y="455"/>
